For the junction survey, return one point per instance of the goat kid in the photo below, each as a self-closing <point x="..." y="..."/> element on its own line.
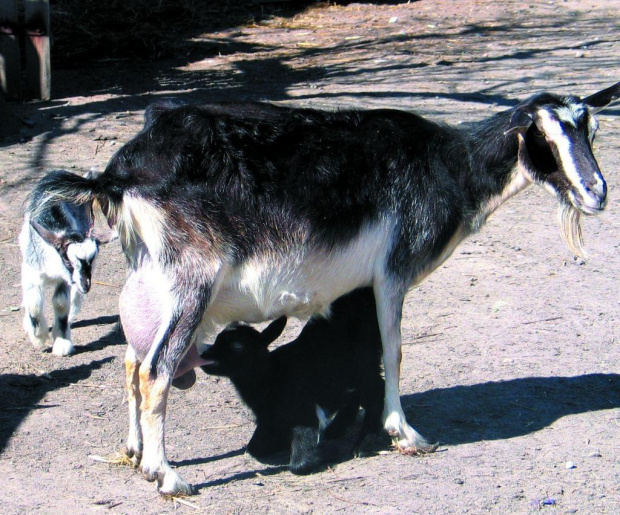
<point x="59" y="251"/>
<point x="248" y="211"/>
<point x="310" y="389"/>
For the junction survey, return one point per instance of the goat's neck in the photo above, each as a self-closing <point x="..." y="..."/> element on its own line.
<point x="254" y="387"/>
<point x="491" y="175"/>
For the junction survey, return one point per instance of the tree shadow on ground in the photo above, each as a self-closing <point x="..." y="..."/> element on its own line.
<point x="269" y="71"/>
<point x="507" y="409"/>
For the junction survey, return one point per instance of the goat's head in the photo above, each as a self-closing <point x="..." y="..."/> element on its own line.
<point x="555" y="150"/>
<point x="77" y="251"/>
<point x="238" y="349"/>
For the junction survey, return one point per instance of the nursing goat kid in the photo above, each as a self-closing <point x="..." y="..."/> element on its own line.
<point x="59" y="251"/>
<point x="249" y="211"/>
<point x="310" y="390"/>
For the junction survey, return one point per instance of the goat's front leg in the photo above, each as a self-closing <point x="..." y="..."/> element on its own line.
<point x="61" y="331"/>
<point x="33" y="303"/>
<point x="134" y="398"/>
<point x="390" y="297"/>
<point x="77" y="300"/>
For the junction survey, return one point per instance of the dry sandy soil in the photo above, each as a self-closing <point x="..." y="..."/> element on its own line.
<point x="511" y="349"/>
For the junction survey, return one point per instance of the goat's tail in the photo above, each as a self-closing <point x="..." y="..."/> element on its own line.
<point x="60" y="186"/>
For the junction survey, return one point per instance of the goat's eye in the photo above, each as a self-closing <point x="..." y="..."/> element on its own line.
<point x="237" y="347"/>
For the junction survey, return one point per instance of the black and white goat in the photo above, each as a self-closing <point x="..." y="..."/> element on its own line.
<point x="247" y="212"/>
<point x="59" y="251"/>
<point x="310" y="389"/>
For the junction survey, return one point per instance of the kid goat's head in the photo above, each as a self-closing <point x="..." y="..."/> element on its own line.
<point x="555" y="137"/>
<point x="239" y="349"/>
<point x="77" y="251"/>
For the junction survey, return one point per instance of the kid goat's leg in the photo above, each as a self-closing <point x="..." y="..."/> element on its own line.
<point x="61" y="331"/>
<point x="390" y="297"/>
<point x="33" y="303"/>
<point x="77" y="299"/>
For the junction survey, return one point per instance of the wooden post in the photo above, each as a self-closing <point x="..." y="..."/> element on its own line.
<point x="9" y="50"/>
<point x="38" y="70"/>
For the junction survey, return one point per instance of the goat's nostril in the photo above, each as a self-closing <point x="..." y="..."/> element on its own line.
<point x="597" y="190"/>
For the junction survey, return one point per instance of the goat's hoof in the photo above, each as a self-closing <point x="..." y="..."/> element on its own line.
<point x="149" y="475"/>
<point x="416" y="450"/>
<point x="170" y="484"/>
<point x="62" y="347"/>
<point x="133" y="457"/>
<point x="38" y="341"/>
<point x="371" y="444"/>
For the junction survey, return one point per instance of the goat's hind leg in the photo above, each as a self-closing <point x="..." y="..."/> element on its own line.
<point x="371" y="435"/>
<point x="61" y="331"/>
<point x="134" y="437"/>
<point x="306" y="454"/>
<point x="390" y="298"/>
<point x="154" y="389"/>
<point x="155" y="375"/>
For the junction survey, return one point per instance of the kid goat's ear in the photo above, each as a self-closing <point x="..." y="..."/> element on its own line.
<point x="54" y="239"/>
<point x="272" y="331"/>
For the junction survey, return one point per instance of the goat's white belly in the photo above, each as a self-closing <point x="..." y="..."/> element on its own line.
<point x="297" y="283"/>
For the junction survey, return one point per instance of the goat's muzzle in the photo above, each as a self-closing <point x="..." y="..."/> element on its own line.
<point x="83" y="285"/>
<point x="592" y="198"/>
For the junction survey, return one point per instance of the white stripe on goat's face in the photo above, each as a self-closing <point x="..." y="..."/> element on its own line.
<point x="82" y="258"/>
<point x="568" y="168"/>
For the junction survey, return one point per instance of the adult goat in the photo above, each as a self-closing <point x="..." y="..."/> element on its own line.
<point x="249" y="211"/>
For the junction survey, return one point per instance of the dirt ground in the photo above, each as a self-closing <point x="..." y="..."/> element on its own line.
<point x="511" y="349"/>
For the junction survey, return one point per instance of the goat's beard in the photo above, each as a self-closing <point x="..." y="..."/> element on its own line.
<point x="569" y="220"/>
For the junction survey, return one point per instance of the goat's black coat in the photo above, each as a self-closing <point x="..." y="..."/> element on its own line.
<point x="250" y="211"/>
<point x="334" y="363"/>
<point x="251" y="168"/>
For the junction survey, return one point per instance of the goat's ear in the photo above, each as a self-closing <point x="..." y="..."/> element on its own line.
<point x="272" y="331"/>
<point x="56" y="240"/>
<point x="519" y="122"/>
<point x="598" y="101"/>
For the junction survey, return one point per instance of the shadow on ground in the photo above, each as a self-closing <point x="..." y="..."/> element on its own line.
<point x="507" y="409"/>
<point x="21" y="394"/>
<point x="481" y="412"/>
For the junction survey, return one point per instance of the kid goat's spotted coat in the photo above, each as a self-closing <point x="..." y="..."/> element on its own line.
<point x="59" y="251"/>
